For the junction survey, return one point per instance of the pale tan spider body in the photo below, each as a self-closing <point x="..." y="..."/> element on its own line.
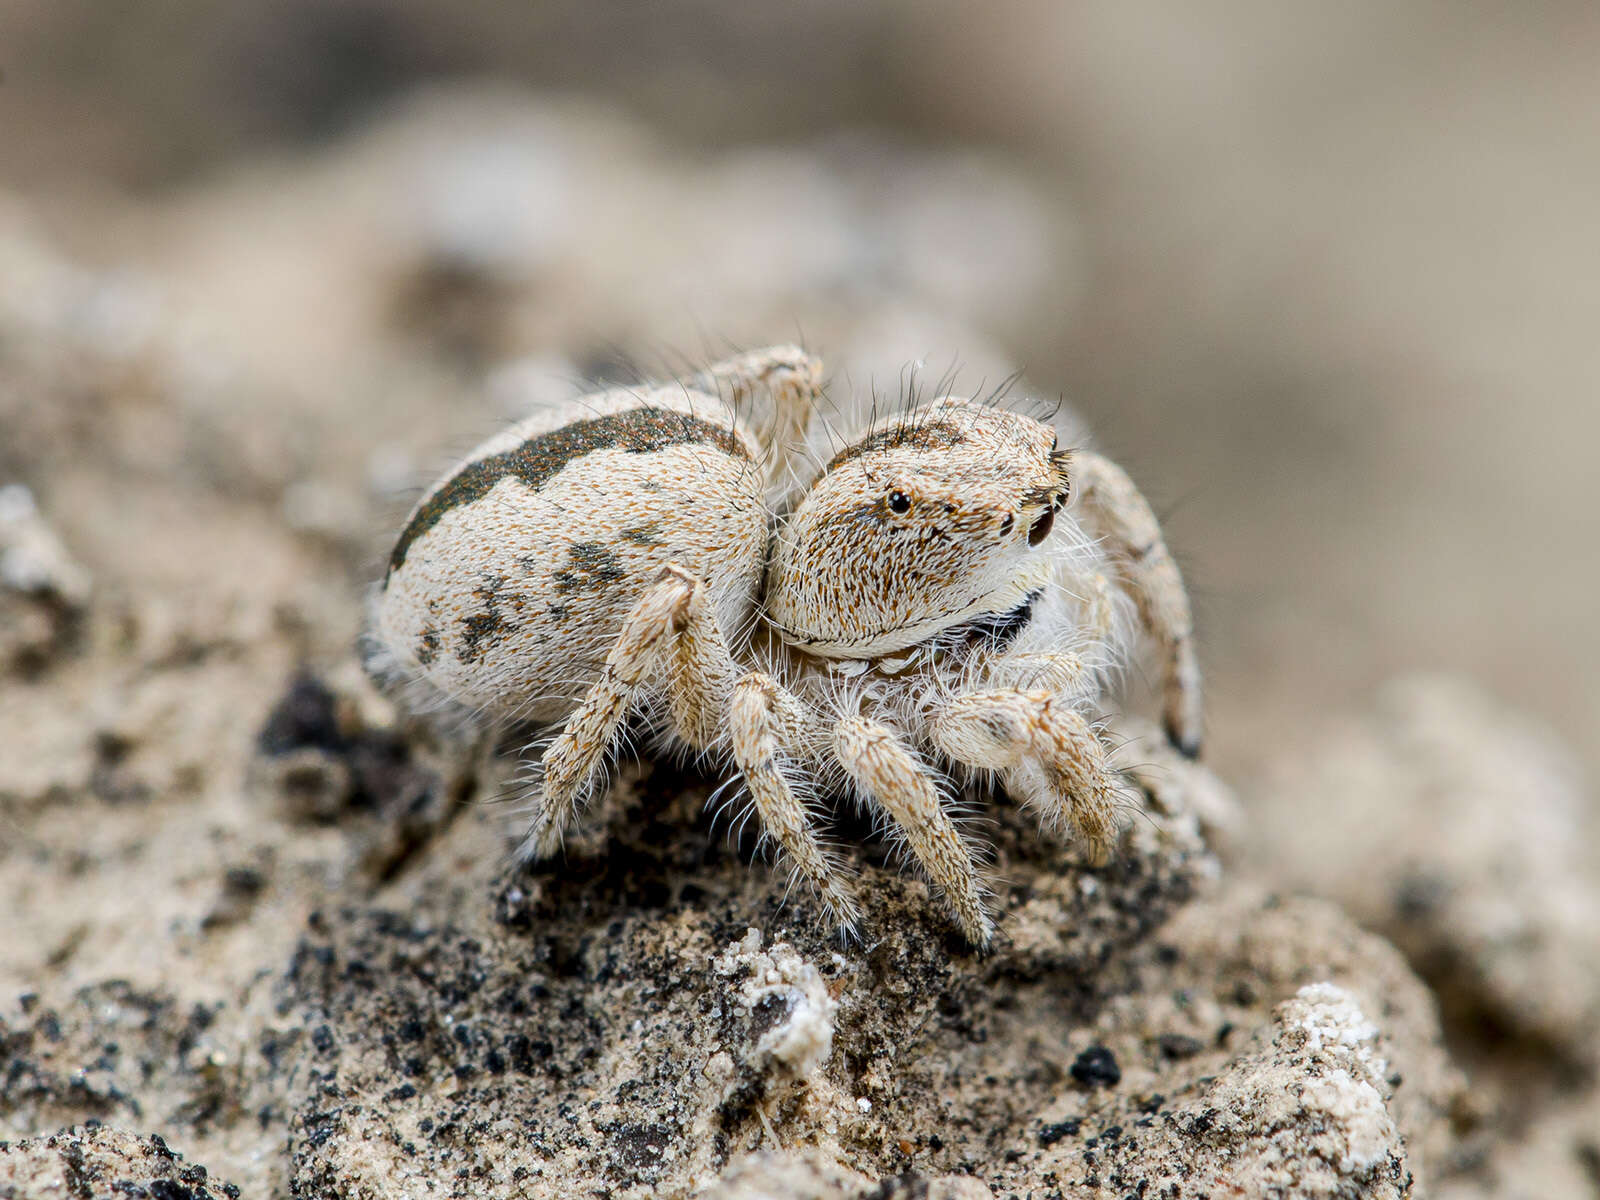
<point x="951" y="595"/>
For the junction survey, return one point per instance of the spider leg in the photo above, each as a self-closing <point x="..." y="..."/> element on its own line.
<point x="1057" y="672"/>
<point x="701" y="668"/>
<point x="792" y="381"/>
<point x="767" y="723"/>
<point x="673" y="619"/>
<point x="1046" y="752"/>
<point x="1113" y="507"/>
<point x="892" y="777"/>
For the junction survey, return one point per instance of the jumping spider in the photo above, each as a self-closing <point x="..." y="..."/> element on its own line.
<point x="949" y="596"/>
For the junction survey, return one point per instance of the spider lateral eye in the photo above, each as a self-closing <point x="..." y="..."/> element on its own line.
<point x="899" y="502"/>
<point x="1042" y="527"/>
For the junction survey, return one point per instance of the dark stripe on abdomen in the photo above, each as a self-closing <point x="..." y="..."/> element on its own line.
<point x="539" y="459"/>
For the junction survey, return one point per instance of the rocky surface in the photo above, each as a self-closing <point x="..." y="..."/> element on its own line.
<point x="1462" y="832"/>
<point x="644" y="1017"/>
<point x="268" y="920"/>
<point x="92" y="1160"/>
<point x="634" y="1018"/>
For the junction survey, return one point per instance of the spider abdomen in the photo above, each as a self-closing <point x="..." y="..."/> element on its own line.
<point x="512" y="577"/>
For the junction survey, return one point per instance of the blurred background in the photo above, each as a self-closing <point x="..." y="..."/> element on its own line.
<point x="1325" y="278"/>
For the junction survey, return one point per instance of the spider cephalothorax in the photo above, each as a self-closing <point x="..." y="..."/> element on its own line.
<point x="938" y="518"/>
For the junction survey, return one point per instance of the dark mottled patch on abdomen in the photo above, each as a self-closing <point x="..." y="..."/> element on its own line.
<point x="428" y="646"/>
<point x="491" y="624"/>
<point x="537" y="460"/>
<point x="647" y="535"/>
<point x="592" y="568"/>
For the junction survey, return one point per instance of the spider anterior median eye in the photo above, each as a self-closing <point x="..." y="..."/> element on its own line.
<point x="899" y="502"/>
<point x="1042" y="527"/>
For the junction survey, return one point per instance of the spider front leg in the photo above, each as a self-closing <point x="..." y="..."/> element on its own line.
<point x="1114" y="508"/>
<point x="892" y="777"/>
<point x="673" y="624"/>
<point x="1047" y="754"/>
<point x="768" y="724"/>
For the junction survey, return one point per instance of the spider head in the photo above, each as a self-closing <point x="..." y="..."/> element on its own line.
<point x="939" y="518"/>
